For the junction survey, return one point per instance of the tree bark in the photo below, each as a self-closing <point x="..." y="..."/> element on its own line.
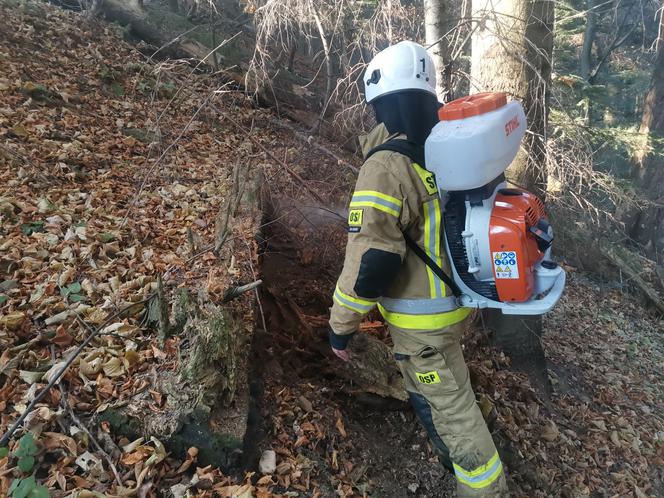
<point x="436" y="13"/>
<point x="585" y="60"/>
<point x="586" y="57"/>
<point x="647" y="227"/>
<point x="133" y="15"/>
<point x="328" y="65"/>
<point x="511" y="52"/>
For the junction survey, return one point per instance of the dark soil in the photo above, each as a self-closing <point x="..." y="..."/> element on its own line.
<point x="385" y="452"/>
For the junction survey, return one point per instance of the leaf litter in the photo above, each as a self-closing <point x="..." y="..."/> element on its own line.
<point x="78" y="244"/>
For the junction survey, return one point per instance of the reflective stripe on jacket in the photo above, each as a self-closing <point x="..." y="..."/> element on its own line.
<point x="393" y="196"/>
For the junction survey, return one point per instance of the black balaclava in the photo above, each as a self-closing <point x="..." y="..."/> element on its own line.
<point x="411" y="112"/>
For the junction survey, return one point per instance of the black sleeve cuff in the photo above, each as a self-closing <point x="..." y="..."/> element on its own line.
<point x="339" y="341"/>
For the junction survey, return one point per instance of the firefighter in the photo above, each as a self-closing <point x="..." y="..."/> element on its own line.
<point x="395" y="203"/>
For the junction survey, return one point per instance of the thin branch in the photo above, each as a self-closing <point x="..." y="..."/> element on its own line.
<point x="257" y="142"/>
<point x="10" y="432"/>
<point x="101" y="450"/>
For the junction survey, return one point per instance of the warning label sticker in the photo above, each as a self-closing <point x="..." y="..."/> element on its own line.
<point x="505" y="264"/>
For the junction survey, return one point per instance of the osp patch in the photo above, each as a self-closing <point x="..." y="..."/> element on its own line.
<point x="428" y="377"/>
<point x="355" y="220"/>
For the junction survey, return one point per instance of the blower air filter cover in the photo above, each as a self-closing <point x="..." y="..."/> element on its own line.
<point x="473" y="105"/>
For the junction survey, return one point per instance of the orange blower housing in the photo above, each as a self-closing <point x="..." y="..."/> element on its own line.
<point x="517" y="231"/>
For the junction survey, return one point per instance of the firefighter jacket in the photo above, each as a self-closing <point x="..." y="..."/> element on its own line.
<point x="392" y="196"/>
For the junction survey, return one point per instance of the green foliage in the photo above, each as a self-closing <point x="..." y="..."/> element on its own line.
<point x="117" y="89"/>
<point x="148" y="86"/>
<point x="3" y="300"/>
<point x="27" y="488"/>
<point x="108" y="75"/>
<point x="4" y="452"/>
<point x="72" y="292"/>
<point x="26" y="463"/>
<point x="106" y="237"/>
<point x="32" y="227"/>
<point x="26" y="446"/>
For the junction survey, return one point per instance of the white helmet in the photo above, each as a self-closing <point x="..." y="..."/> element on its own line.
<point x="404" y="66"/>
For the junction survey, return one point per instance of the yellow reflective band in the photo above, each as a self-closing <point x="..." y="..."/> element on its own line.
<point x="355" y="304"/>
<point x="375" y="206"/>
<point x="427" y="236"/>
<point x="376" y="200"/>
<point x="380" y="195"/>
<point x="436" y="256"/>
<point x="424" y="322"/>
<point x="482" y="476"/>
<point x="432" y="245"/>
<point x="428" y="377"/>
<point x="428" y="179"/>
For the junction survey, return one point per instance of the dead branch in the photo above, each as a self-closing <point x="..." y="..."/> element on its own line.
<point x="54" y="380"/>
<point x="612" y="255"/>
<point x="234" y="292"/>
<point x="311" y="141"/>
<point x="101" y="450"/>
<point x="281" y="163"/>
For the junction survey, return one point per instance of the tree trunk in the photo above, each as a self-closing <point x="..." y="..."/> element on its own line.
<point x="647" y="227"/>
<point x="511" y="52"/>
<point x="585" y="61"/>
<point x="586" y="57"/>
<point x="436" y="13"/>
<point x="329" y="83"/>
<point x="174" y="6"/>
<point x="133" y="15"/>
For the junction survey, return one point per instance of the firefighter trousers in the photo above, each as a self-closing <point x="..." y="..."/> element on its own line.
<point x="437" y="381"/>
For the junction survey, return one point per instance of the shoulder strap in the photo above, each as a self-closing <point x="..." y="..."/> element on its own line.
<point x="440" y="273"/>
<point x="409" y="149"/>
<point x="415" y="153"/>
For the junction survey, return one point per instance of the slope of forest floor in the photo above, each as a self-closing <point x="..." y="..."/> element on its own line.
<point x="114" y="171"/>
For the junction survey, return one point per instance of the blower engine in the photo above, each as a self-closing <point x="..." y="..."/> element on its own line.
<point x="498" y="239"/>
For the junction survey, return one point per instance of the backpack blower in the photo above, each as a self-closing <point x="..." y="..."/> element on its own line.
<point x="498" y="239"/>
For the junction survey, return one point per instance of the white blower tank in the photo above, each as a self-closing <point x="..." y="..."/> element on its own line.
<point x="498" y="239"/>
<point x="475" y="141"/>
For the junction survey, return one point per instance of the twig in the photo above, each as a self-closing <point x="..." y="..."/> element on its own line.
<point x="101" y="450"/>
<point x="234" y="292"/>
<point x="10" y="432"/>
<point x="258" y="296"/>
<point x="292" y="173"/>
<point x="310" y="141"/>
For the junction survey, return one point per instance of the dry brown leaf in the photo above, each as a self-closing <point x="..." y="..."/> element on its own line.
<point x="114" y="367"/>
<point x="550" y="431"/>
<point x="13" y="320"/>
<point x="340" y="427"/>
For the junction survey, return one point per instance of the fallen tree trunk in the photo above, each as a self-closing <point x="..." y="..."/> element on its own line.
<point x="373" y="369"/>
<point x="136" y="18"/>
<point x="282" y="91"/>
<point x="204" y="403"/>
<point x="612" y="253"/>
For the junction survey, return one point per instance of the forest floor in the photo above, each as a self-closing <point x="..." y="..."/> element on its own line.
<point x="113" y="171"/>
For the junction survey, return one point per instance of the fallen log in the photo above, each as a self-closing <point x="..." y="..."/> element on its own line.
<point x="373" y="369"/>
<point x="612" y="253"/>
<point x="203" y="399"/>
<point x="204" y="402"/>
<point x="139" y="25"/>
<point x="310" y="140"/>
